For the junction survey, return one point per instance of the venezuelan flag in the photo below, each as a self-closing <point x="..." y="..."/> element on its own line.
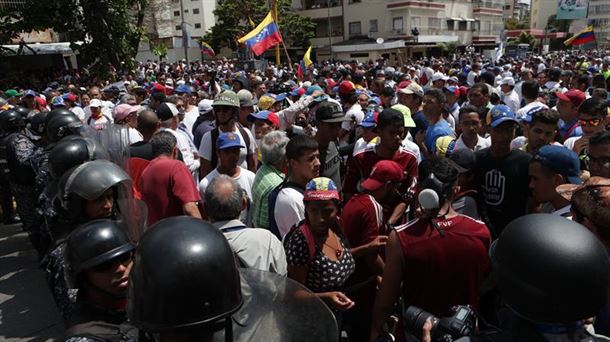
<point x="207" y="49"/>
<point x="264" y="36"/>
<point x="582" y="37"/>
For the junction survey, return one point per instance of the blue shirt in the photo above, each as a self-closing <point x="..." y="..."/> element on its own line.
<point x="564" y="129"/>
<point x="421" y="123"/>
<point x="439" y="129"/>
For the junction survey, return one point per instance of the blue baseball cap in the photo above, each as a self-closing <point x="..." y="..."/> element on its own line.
<point x="228" y="140"/>
<point x="370" y="120"/>
<point x="29" y="92"/>
<point x="530" y="113"/>
<point x="376" y="100"/>
<point x="560" y="160"/>
<point x="281" y="97"/>
<point x="313" y="88"/>
<point x="500" y="114"/>
<point x="58" y="101"/>
<point x="265" y="115"/>
<point x="184" y="89"/>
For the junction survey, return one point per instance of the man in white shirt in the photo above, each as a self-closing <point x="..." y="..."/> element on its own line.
<point x="97" y="119"/>
<point x="228" y="150"/>
<point x="470" y="125"/>
<point x="303" y="165"/>
<point x="530" y="91"/>
<point x="508" y="94"/>
<point x="354" y="114"/>
<point x="168" y="115"/>
<point x="472" y="75"/>
<point x="254" y="248"/>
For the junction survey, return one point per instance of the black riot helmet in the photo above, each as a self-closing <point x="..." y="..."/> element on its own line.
<point x="88" y="182"/>
<point x="72" y="151"/>
<point x="24" y="112"/>
<point x="60" y="126"/>
<point x="551" y="269"/>
<point x="59" y="112"/>
<point x="183" y="276"/>
<point x="38" y="123"/>
<point x="93" y="244"/>
<point x="11" y="121"/>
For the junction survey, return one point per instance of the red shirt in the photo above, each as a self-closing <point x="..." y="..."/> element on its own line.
<point x="363" y="221"/>
<point x="441" y="272"/>
<point x="361" y="165"/>
<point x="166" y="184"/>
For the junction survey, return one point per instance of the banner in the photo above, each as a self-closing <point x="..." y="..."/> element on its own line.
<point x="572" y="9"/>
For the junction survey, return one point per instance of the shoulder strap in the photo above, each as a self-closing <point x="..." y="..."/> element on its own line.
<point x="311" y="244"/>
<point x="214" y="135"/>
<point x="246" y="138"/>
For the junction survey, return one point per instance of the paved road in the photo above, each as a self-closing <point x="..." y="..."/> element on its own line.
<point x="27" y="310"/>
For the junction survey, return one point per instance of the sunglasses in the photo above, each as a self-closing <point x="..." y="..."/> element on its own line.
<point x="590" y="122"/>
<point x="113" y="263"/>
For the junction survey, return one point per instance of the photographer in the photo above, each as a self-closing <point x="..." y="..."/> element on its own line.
<point x="440" y="258"/>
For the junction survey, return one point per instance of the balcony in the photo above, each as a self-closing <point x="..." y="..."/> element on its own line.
<point x="418" y="4"/>
<point x="488" y="7"/>
<point x="320" y="8"/>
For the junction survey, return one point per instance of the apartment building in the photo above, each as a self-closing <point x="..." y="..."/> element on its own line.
<point x="540" y="11"/>
<point x="599" y="16"/>
<point x="516" y="9"/>
<point x="355" y="25"/>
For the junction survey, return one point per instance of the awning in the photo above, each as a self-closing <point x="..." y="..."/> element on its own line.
<point x="369" y="46"/>
<point x="62" y="48"/>
<point x="461" y="19"/>
<point x="436" y="39"/>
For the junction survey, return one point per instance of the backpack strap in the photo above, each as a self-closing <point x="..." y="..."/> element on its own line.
<point x="214" y="135"/>
<point x="246" y="138"/>
<point x="311" y="243"/>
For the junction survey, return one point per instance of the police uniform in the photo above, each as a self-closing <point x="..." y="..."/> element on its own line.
<point x="6" y="194"/>
<point x="90" y="323"/>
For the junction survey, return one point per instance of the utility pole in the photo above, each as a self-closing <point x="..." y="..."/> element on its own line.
<point x="330" y="40"/>
<point x="185" y="39"/>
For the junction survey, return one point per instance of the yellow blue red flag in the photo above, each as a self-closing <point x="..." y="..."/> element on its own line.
<point x="307" y="58"/>
<point x="585" y="36"/>
<point x="264" y="36"/>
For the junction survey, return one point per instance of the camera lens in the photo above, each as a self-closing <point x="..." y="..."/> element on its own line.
<point x="414" y="319"/>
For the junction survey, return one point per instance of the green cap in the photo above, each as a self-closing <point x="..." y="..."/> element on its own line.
<point x="11" y="93"/>
<point x="226" y="98"/>
<point x="406" y="112"/>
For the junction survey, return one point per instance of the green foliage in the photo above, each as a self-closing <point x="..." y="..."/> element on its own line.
<point x="524" y="38"/>
<point x="556" y="25"/>
<point x="232" y="23"/>
<point x="514" y="24"/>
<point x="448" y="48"/>
<point x="110" y="30"/>
<point x="160" y="50"/>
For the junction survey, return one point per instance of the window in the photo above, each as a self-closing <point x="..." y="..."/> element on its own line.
<point x="186" y="10"/>
<point x="415" y="22"/>
<point x="450" y="25"/>
<point x="178" y="27"/>
<point x="197" y="25"/>
<point x="462" y="26"/>
<point x="176" y="13"/>
<point x="434" y="23"/>
<point x="195" y="10"/>
<point x="355" y="28"/>
<point x="373" y="25"/>
<point x="397" y="24"/>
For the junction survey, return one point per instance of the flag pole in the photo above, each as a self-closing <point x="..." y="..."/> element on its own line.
<point x="277" y="22"/>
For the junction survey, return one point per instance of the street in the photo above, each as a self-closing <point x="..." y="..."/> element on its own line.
<point x="27" y="310"/>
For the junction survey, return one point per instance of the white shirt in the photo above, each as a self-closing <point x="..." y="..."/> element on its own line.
<point x="256" y="248"/>
<point x="78" y="111"/>
<point x="481" y="144"/>
<point x="205" y="149"/>
<point x="523" y="111"/>
<point x="289" y="209"/>
<point x="184" y="146"/>
<point x="410" y="146"/>
<point x="134" y="136"/>
<point x="189" y="119"/>
<point x="471" y="77"/>
<point x="100" y="123"/>
<point x="569" y="143"/>
<point x="355" y="116"/>
<point x="511" y="99"/>
<point x="245" y="179"/>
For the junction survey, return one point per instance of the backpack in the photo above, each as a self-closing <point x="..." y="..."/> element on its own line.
<point x="216" y="132"/>
<point x="311" y="243"/>
<point x="273" y="199"/>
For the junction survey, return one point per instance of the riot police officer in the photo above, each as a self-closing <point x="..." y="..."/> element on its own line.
<point x="172" y="290"/>
<point x="19" y="152"/>
<point x="86" y="192"/>
<point x="6" y="194"/>
<point x="98" y="264"/>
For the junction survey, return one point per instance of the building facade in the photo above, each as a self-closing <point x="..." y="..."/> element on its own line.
<point x="516" y="9"/>
<point x="599" y="17"/>
<point x="540" y="11"/>
<point x="356" y="24"/>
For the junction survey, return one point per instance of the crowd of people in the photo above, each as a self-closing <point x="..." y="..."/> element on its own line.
<point x="440" y="182"/>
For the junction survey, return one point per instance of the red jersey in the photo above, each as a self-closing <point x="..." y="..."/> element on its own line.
<point x="166" y="184"/>
<point x="441" y="272"/>
<point x="361" y="165"/>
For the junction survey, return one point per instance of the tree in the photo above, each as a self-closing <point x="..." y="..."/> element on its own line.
<point x="108" y="31"/>
<point x="515" y="24"/>
<point x="523" y="38"/>
<point x="561" y="25"/>
<point x="232" y="23"/>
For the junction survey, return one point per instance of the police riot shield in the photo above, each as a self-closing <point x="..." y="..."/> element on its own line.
<point x="277" y="308"/>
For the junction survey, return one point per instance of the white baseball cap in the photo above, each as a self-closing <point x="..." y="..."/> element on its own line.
<point x="508" y="80"/>
<point x="439" y="76"/>
<point x="95" y="103"/>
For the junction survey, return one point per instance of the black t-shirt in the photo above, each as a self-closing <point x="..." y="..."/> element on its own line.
<point x="504" y="185"/>
<point x="141" y="149"/>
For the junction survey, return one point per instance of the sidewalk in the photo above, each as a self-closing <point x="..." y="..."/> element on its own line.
<point x="27" y="310"/>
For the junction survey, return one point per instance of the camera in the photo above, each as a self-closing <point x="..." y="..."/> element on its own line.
<point x="463" y="322"/>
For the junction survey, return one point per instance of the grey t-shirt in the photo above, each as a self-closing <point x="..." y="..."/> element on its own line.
<point x="331" y="164"/>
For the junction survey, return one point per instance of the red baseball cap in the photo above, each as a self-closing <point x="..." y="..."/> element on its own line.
<point x="384" y="171"/>
<point x="403" y="84"/>
<point x="575" y="96"/>
<point x="346" y="87"/>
